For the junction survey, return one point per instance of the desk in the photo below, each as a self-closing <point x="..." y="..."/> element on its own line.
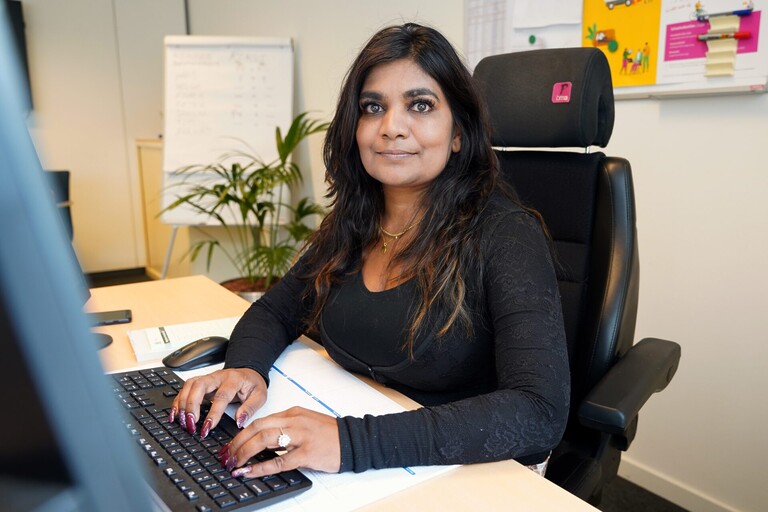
<point x="494" y="486"/>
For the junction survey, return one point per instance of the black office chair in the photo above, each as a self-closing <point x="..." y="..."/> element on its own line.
<point x="563" y="98"/>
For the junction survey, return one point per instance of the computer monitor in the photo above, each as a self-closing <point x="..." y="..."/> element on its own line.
<point x="62" y="444"/>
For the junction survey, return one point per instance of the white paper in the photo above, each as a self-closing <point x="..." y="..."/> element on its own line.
<point x="158" y="342"/>
<point x="302" y="377"/>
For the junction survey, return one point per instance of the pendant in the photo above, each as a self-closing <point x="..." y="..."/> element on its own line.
<point x="384" y="248"/>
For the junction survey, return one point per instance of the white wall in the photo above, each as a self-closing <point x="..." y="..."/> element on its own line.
<point x="699" y="174"/>
<point x="96" y="70"/>
<point x="78" y="123"/>
<point x="701" y="178"/>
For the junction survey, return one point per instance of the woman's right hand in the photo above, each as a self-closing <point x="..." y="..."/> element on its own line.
<point x="223" y="387"/>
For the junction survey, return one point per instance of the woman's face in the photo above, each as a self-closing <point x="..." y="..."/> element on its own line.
<point x="405" y="133"/>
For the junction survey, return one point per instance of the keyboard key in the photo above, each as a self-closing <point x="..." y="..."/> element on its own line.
<point x="182" y="456"/>
<point x="226" y="501"/>
<point x="292" y="477"/>
<point x="196" y="470"/>
<point x="184" y="486"/>
<point x="231" y="484"/>
<point x="222" y="476"/>
<point x="211" y="486"/>
<point x="140" y="415"/>
<point x="202" y="478"/>
<point x="276" y="483"/>
<point x="176" y="449"/>
<point x="243" y="495"/>
<point x="218" y="493"/>
<point x="258" y="487"/>
<point x="208" y="462"/>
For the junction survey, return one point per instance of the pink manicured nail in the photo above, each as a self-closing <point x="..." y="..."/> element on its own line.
<point x="223" y="453"/>
<point x="191" y="427"/>
<point x="241" y="471"/>
<point x="231" y="463"/>
<point x="241" y="419"/>
<point x="206" y="429"/>
<point x="182" y="418"/>
<point x="172" y="415"/>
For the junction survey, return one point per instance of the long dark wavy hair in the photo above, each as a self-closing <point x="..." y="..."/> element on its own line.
<point x="445" y="245"/>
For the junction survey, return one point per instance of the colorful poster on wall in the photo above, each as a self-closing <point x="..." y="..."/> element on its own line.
<point x="628" y="33"/>
<point x="650" y="42"/>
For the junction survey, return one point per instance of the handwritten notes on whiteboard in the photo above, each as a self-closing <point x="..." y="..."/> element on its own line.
<point x="222" y="94"/>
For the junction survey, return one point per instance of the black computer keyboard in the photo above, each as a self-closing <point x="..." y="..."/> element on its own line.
<point x="183" y="469"/>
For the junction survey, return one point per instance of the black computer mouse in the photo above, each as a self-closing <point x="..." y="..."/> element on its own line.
<point x="199" y="353"/>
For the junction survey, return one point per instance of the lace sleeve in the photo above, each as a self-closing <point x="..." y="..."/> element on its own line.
<point x="526" y="416"/>
<point x="270" y="324"/>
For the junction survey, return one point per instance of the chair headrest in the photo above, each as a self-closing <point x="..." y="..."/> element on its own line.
<point x="548" y="98"/>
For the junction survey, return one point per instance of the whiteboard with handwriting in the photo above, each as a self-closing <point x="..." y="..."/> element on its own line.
<point x="222" y="94"/>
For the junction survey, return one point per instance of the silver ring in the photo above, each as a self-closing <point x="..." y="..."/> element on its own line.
<point x="283" y="440"/>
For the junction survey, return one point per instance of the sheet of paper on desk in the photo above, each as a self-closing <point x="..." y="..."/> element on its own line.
<point x="305" y="378"/>
<point x="158" y="342"/>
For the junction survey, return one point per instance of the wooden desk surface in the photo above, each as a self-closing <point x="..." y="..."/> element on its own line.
<point x="495" y="486"/>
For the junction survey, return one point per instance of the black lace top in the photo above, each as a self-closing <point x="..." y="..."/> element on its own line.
<point x="500" y="393"/>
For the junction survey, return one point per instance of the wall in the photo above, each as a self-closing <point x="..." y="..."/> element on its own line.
<point x="699" y="173"/>
<point x="77" y="123"/>
<point x="96" y="69"/>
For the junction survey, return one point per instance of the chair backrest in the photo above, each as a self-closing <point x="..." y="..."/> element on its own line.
<point x="563" y="98"/>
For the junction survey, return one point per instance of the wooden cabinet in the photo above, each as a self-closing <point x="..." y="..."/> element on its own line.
<point x="156" y="233"/>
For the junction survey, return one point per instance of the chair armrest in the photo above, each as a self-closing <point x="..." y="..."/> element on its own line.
<point x="614" y="402"/>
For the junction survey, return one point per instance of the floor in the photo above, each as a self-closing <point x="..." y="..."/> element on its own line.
<point x="619" y="496"/>
<point x="624" y="496"/>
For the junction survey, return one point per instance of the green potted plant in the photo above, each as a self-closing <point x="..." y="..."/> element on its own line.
<point x="245" y="195"/>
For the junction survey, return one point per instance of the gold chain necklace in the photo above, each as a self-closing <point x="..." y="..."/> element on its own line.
<point x="393" y="236"/>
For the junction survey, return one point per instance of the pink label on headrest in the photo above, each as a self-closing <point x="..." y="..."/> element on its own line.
<point x="561" y="92"/>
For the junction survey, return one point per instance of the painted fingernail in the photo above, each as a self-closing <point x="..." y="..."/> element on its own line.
<point x="223" y="453"/>
<point x="241" y="419"/>
<point x="241" y="471"/>
<point x="182" y="418"/>
<point x="206" y="429"/>
<point x="172" y="415"/>
<point x="191" y="427"/>
<point x="231" y="463"/>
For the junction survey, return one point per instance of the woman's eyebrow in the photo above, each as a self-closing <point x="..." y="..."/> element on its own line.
<point x="371" y="95"/>
<point x="412" y="93"/>
<point x="421" y="91"/>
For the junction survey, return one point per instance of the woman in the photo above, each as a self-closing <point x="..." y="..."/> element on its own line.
<point x="424" y="275"/>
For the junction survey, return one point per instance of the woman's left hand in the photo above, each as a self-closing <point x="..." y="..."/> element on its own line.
<point x="310" y="438"/>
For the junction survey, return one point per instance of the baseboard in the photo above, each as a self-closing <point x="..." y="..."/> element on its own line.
<point x="670" y="489"/>
<point x="113" y="277"/>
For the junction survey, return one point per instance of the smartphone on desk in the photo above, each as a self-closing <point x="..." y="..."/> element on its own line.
<point x="119" y="316"/>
